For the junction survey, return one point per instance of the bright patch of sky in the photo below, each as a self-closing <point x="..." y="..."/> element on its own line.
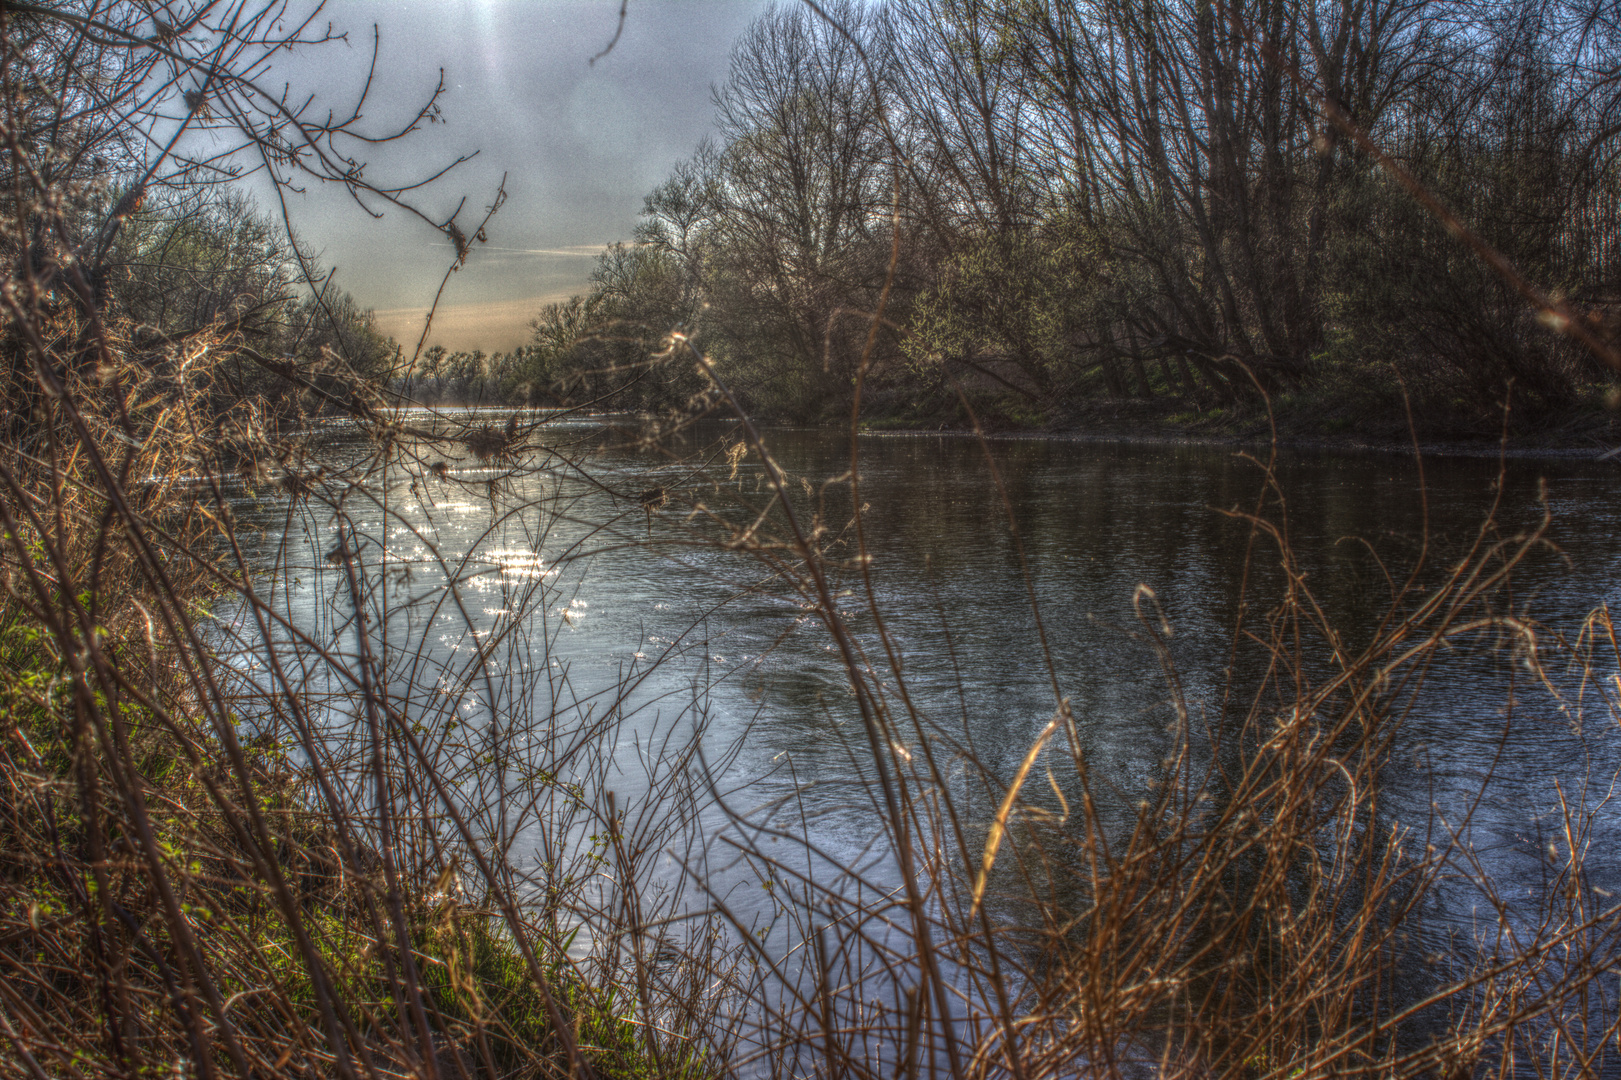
<point x="580" y="144"/>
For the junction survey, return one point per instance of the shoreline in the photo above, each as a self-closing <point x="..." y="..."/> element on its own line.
<point x="1583" y="436"/>
<point x="1577" y="439"/>
<point x="1426" y="447"/>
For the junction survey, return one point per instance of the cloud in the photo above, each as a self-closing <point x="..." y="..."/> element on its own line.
<point x="573" y="251"/>
<point x="491" y="325"/>
<point x="578" y="145"/>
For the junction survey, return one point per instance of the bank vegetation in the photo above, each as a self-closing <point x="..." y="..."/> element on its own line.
<point x="1119" y="215"/>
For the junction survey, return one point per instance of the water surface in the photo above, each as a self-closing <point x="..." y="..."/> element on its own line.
<point x="960" y="536"/>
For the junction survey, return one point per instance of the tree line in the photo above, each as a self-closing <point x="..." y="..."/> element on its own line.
<point x="1060" y="203"/>
<point x="128" y="228"/>
<point x="207" y="261"/>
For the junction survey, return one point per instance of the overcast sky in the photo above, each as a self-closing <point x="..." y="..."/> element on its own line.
<point x="580" y="144"/>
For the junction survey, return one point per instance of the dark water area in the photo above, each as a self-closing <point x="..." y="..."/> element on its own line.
<point x="709" y="630"/>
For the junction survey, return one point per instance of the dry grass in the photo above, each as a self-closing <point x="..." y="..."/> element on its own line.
<point x="1258" y="909"/>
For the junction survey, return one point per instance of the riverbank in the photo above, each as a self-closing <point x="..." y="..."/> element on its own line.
<point x="1588" y="432"/>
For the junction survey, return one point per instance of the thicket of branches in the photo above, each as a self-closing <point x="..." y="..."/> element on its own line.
<point x="1157" y="201"/>
<point x="377" y="835"/>
<point x="178" y="896"/>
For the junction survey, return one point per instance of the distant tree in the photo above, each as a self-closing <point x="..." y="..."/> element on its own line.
<point x="1134" y="200"/>
<point x="129" y="122"/>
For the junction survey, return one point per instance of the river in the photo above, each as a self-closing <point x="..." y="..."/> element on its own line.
<point x="658" y="618"/>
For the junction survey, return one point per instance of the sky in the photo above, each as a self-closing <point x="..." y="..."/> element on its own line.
<point x="580" y="144"/>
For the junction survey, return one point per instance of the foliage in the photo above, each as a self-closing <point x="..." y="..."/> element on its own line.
<point x="1098" y="201"/>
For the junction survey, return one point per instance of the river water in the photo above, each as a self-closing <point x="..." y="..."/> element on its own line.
<point x="706" y="633"/>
